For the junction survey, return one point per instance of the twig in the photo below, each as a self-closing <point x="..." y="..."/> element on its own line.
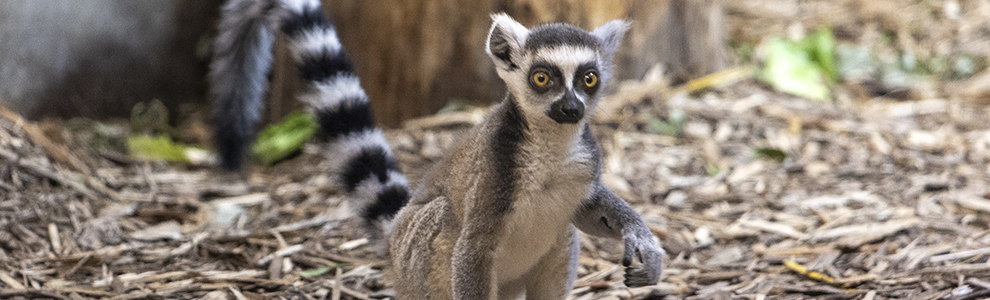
<point x="978" y="282"/>
<point x="952" y="269"/>
<point x="316" y="221"/>
<point x="54" y="237"/>
<point x="78" y="265"/>
<point x="974" y="203"/>
<point x="111" y="251"/>
<point x="856" y="235"/>
<point x="960" y="254"/>
<point x="354" y="293"/>
<point x="856" y="279"/>
<point x="337" y="285"/>
<point x="237" y="293"/>
<point x="870" y="295"/>
<point x="977" y="295"/>
<point x="718" y="78"/>
<point x="596" y="276"/>
<point x="280" y="253"/>
<point x="10" y="281"/>
<point x="84" y="291"/>
<point x="10" y="293"/>
<point x="790" y="264"/>
<point x="778" y="228"/>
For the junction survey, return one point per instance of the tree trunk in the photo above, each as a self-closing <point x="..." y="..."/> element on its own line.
<point x="414" y="56"/>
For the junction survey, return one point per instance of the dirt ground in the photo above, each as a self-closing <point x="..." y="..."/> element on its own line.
<point x="756" y="195"/>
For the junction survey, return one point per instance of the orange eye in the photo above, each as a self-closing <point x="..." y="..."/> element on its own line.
<point x="541" y="78"/>
<point x="590" y="80"/>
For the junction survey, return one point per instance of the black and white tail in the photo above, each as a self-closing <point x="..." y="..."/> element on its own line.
<point x="360" y="158"/>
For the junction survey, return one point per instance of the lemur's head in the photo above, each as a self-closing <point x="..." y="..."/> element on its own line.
<point x="554" y="70"/>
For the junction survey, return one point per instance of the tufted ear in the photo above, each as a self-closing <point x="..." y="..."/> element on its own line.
<point x="610" y="36"/>
<point x="505" y="41"/>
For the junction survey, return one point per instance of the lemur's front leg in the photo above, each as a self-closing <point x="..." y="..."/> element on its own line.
<point x="474" y="252"/>
<point x="606" y="215"/>
<point x="473" y="275"/>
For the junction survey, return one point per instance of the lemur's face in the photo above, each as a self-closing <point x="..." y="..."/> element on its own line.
<point x="554" y="70"/>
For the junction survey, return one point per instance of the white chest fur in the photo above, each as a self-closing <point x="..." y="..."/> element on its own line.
<point x="550" y="188"/>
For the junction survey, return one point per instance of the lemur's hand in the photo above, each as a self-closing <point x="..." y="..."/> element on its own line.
<point x="643" y="246"/>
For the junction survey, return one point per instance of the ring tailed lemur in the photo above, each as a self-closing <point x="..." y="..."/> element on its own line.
<point x="496" y="217"/>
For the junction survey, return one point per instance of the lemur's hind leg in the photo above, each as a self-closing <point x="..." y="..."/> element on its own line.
<point x="548" y="280"/>
<point x="421" y="243"/>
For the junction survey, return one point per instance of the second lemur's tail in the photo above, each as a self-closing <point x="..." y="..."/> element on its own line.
<point x="360" y="158"/>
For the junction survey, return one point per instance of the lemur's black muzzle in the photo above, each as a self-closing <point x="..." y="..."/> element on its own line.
<point x="567" y="110"/>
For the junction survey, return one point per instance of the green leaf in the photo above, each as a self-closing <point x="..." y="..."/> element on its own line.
<point x="712" y="169"/>
<point x="790" y="69"/>
<point x="315" y="272"/>
<point x="771" y="153"/>
<point x="821" y="47"/>
<point x="323" y="270"/>
<point x="672" y="127"/>
<point x="278" y="141"/>
<point x="156" y="148"/>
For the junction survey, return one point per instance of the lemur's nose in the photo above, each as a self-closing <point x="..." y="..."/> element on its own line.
<point x="567" y="110"/>
<point x="571" y="110"/>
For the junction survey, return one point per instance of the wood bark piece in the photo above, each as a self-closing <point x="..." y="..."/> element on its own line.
<point x="960" y="254"/>
<point x="974" y="203"/>
<point x="856" y="235"/>
<point x="10" y="282"/>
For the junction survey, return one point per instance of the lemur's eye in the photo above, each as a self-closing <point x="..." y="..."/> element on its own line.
<point x="541" y="78"/>
<point x="590" y="79"/>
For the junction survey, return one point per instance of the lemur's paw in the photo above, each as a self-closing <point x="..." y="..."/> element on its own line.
<point x="651" y="256"/>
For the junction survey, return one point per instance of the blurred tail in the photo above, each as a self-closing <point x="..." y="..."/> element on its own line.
<point x="361" y="160"/>
<point x="239" y="76"/>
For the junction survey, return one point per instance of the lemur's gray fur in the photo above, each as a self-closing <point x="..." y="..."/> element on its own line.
<point x="496" y="218"/>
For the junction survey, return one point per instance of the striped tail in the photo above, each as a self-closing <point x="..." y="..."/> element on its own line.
<point x="360" y="158"/>
<point x="239" y="76"/>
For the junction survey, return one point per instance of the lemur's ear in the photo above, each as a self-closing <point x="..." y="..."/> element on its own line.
<point x="610" y="35"/>
<point x="505" y="41"/>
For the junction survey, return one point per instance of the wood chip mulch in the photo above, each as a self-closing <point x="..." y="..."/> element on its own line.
<point x="757" y="196"/>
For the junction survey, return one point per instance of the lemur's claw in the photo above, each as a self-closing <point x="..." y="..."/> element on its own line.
<point x="649" y="253"/>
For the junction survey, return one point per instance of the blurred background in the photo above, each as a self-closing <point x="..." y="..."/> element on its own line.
<point x="97" y="58"/>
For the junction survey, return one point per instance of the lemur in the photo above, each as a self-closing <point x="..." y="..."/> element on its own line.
<point x="496" y="218"/>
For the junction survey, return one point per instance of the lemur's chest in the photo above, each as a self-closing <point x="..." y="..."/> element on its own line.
<point x="555" y="170"/>
<point x="550" y="188"/>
